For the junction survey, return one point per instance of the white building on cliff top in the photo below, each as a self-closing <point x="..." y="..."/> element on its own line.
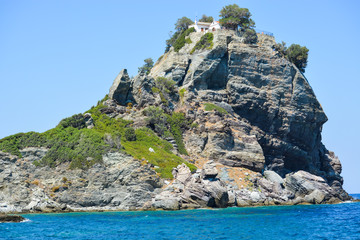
<point x="205" y="26"/>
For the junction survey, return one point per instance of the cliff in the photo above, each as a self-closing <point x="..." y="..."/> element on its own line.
<point x="244" y="115"/>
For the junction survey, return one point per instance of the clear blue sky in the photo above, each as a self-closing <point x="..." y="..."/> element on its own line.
<point x="58" y="58"/>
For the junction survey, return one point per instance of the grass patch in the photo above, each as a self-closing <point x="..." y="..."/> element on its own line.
<point x="210" y="107"/>
<point x="206" y="41"/>
<point x="162" y="155"/>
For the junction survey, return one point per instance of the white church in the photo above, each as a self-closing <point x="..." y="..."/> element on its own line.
<point x="205" y="26"/>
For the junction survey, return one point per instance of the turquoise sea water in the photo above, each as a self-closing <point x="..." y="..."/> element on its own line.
<point x="339" y="221"/>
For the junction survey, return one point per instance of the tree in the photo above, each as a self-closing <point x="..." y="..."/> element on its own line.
<point x="298" y="55"/>
<point x="232" y="17"/>
<point x="182" y="24"/>
<point x="205" y="18"/>
<point x="149" y="63"/>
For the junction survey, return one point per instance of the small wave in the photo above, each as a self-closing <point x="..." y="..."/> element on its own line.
<point x="26" y="220"/>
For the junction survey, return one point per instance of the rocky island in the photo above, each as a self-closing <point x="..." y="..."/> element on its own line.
<point x="221" y="121"/>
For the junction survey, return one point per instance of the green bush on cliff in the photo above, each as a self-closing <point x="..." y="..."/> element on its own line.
<point x="130" y="134"/>
<point x="250" y="36"/>
<point x="206" y="41"/>
<point x="298" y="55"/>
<point x="167" y="125"/>
<point x="12" y="144"/>
<point x="181" y="40"/>
<point x="178" y="124"/>
<point x="75" y="121"/>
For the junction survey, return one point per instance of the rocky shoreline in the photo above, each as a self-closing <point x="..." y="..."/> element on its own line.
<point x="122" y="184"/>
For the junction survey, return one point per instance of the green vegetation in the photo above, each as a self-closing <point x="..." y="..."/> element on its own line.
<point x="178" y="38"/>
<point x="281" y="48"/>
<point x="183" y="24"/>
<point x="233" y="17"/>
<point x="250" y="36"/>
<point x="13" y="143"/>
<point x="211" y="107"/>
<point x="149" y="63"/>
<point x="206" y="41"/>
<point x="181" y="40"/>
<point x="182" y="93"/>
<point x="130" y="134"/>
<point x="156" y="120"/>
<point x="205" y="18"/>
<point x="295" y="54"/>
<point x="82" y="147"/>
<point x="168" y="125"/>
<point x="178" y="124"/>
<point x="75" y="121"/>
<point x="164" y="87"/>
<point x="298" y="55"/>
<point x="162" y="155"/>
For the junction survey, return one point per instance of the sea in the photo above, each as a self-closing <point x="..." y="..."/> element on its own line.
<point x="337" y="221"/>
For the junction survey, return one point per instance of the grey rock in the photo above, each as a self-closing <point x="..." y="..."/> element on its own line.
<point x="209" y="170"/>
<point x="182" y="173"/>
<point x="273" y="177"/>
<point x="308" y="186"/>
<point x="120" y="88"/>
<point x="89" y="121"/>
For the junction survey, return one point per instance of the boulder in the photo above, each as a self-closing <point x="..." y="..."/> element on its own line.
<point x="11" y="218"/>
<point x="303" y="183"/>
<point x="273" y="177"/>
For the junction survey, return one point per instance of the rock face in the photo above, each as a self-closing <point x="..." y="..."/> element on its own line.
<point x="119" y="91"/>
<point x="120" y="183"/>
<point x="255" y="138"/>
<point x="201" y="189"/>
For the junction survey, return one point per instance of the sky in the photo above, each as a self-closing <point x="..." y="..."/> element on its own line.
<point x="58" y="58"/>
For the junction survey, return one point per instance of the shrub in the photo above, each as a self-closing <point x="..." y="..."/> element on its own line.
<point x="75" y="121"/>
<point x="130" y="134"/>
<point x="12" y="144"/>
<point x="298" y="55"/>
<point x="211" y="107"/>
<point x="156" y="119"/>
<point x="178" y="124"/>
<point x="206" y="41"/>
<point x="250" y="36"/>
<point x="165" y="85"/>
<point x="180" y="41"/>
<point x="281" y="48"/>
<point x="146" y="68"/>
<point x="182" y="93"/>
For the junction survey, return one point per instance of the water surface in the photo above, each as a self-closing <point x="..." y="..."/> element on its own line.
<point x="339" y="221"/>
